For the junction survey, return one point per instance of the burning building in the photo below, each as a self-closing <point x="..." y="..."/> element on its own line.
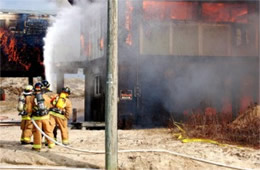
<point x="177" y="58"/>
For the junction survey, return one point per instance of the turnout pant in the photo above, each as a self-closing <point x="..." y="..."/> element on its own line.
<point x="26" y="127"/>
<point x="44" y="124"/>
<point x="63" y="125"/>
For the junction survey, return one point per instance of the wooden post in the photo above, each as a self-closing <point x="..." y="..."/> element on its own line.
<point x="88" y="95"/>
<point x="258" y="50"/>
<point x="111" y="86"/>
<point x="30" y="80"/>
<point x="60" y="81"/>
<point x="74" y="115"/>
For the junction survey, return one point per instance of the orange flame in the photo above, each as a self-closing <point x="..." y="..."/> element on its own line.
<point x="225" y="12"/>
<point x="128" y="40"/>
<point x="211" y="12"/>
<point x="85" y="46"/>
<point x="169" y="10"/>
<point x="101" y="43"/>
<point x="12" y="49"/>
<point x="128" y="21"/>
<point x="9" y="47"/>
<point x="88" y="49"/>
<point x="82" y="41"/>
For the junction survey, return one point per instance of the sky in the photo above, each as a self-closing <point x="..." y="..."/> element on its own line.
<point x="31" y="5"/>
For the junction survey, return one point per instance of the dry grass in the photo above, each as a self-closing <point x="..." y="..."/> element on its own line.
<point x="214" y="127"/>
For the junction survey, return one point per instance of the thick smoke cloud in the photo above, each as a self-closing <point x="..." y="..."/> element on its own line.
<point x="177" y="75"/>
<point x="172" y="73"/>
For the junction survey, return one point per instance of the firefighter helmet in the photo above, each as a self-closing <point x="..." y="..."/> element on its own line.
<point x="45" y="84"/>
<point x="66" y="90"/>
<point x="71" y="2"/>
<point x="38" y="86"/>
<point x="28" y="90"/>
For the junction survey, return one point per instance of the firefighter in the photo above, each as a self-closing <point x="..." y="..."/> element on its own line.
<point x="26" y="124"/>
<point x="39" y="105"/>
<point x="60" y="113"/>
<point x="46" y="86"/>
<point x="46" y="90"/>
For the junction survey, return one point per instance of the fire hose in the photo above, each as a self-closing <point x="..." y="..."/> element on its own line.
<point x="138" y="150"/>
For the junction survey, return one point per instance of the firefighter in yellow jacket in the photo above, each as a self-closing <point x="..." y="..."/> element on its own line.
<point x="60" y="113"/>
<point x="26" y="124"/>
<point x="39" y="105"/>
<point x="46" y="90"/>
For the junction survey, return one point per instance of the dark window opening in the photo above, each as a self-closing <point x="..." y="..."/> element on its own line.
<point x="97" y="87"/>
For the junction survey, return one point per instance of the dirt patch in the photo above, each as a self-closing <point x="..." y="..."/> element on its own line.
<point x="15" y="154"/>
<point x="3" y="117"/>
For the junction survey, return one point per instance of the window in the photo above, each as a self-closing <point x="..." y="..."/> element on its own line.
<point x="242" y="36"/>
<point x="12" y="23"/>
<point x="238" y="37"/>
<point x="2" y="23"/>
<point x="97" y="87"/>
<point x="154" y="40"/>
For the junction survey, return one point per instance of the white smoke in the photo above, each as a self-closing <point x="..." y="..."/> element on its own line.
<point x="62" y="41"/>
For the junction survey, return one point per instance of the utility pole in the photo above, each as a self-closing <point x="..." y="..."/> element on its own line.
<point x="258" y="51"/>
<point x="111" y="86"/>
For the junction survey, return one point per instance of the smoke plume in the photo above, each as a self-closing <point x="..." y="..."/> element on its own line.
<point x="178" y="65"/>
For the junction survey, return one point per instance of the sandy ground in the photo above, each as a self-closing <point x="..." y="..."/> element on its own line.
<point x="12" y="153"/>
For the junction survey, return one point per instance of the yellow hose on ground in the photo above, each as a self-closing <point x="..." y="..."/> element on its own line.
<point x="181" y="137"/>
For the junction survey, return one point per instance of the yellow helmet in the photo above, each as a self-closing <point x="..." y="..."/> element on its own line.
<point x="28" y="89"/>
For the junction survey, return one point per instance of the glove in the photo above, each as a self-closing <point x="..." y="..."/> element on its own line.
<point x="22" y="113"/>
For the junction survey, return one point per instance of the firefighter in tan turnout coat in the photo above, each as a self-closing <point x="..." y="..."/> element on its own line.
<point x="26" y="124"/>
<point x="38" y="110"/>
<point x="60" y="112"/>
